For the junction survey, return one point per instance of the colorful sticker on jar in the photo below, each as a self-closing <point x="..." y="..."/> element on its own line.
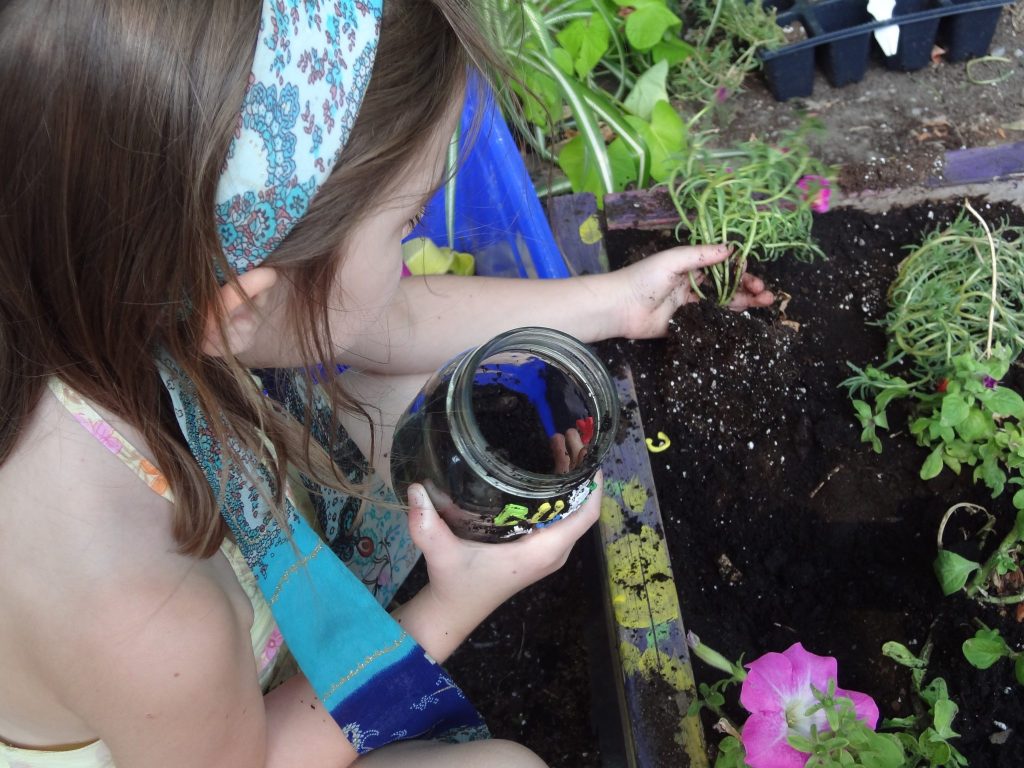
<point x="580" y="495"/>
<point x="520" y="519"/>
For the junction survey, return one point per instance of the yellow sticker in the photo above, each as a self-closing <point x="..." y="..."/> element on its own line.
<point x="511" y="514"/>
<point x="662" y="445"/>
<point x="541" y="512"/>
<point x="590" y="230"/>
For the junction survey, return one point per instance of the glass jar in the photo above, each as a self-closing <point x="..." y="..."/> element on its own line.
<point x="486" y="435"/>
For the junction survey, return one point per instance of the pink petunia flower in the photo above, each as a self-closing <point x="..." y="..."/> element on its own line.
<point x="779" y="692"/>
<point x="818" y="190"/>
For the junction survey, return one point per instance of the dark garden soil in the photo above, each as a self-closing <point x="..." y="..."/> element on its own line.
<point x="782" y="525"/>
<point x="526" y="668"/>
<point x="892" y="129"/>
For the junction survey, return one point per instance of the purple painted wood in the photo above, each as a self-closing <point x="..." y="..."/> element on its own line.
<point x="653" y="681"/>
<point x="981" y="164"/>
<point x="578" y="233"/>
<point x="640" y="209"/>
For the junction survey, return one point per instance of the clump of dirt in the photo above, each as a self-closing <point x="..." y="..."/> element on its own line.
<point x="715" y="352"/>
<point x="783" y="526"/>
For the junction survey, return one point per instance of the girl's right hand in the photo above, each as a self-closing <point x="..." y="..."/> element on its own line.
<point x="469" y="579"/>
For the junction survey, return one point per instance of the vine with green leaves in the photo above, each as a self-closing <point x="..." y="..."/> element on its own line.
<point x="955" y="326"/>
<point x="592" y="79"/>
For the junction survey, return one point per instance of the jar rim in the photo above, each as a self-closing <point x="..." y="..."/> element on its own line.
<point x="555" y="348"/>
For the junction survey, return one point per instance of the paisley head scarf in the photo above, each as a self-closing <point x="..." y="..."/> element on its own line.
<point x="310" y="71"/>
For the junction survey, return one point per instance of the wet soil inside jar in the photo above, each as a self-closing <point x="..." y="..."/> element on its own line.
<point x="512" y="427"/>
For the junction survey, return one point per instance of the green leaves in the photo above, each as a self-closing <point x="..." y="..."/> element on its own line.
<point x="650" y="88"/>
<point x="985" y="648"/>
<point x="954" y="409"/>
<point x="953" y="571"/>
<point x="574" y="63"/>
<point x="925" y="737"/>
<point x="932" y="465"/>
<point x="1004" y="402"/>
<point x="665" y="137"/>
<point x="586" y="41"/>
<point x="648" y="22"/>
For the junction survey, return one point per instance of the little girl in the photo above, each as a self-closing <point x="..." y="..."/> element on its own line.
<point x="194" y="191"/>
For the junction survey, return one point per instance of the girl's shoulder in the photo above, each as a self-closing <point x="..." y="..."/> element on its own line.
<point x="66" y="498"/>
<point x="89" y="565"/>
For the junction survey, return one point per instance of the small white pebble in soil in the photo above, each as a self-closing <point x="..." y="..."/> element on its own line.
<point x="750" y="445"/>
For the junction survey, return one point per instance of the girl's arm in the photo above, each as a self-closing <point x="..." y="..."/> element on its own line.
<point x="434" y="318"/>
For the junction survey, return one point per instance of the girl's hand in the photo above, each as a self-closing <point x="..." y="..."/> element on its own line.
<point x="469" y="579"/>
<point x="648" y="292"/>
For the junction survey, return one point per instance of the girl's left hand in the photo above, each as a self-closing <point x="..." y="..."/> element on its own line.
<point x="649" y="291"/>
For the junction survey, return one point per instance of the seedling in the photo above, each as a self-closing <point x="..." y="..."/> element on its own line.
<point x="758" y="198"/>
<point x="925" y="736"/>
<point x="988" y="647"/>
<point x="982" y="581"/>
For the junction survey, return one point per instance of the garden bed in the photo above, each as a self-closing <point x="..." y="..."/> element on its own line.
<point x="782" y="525"/>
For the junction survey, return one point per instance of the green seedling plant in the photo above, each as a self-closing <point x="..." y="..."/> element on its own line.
<point x="759" y="198"/>
<point x="983" y="581"/>
<point x="966" y="419"/>
<point x="925" y="736"/>
<point x="589" y="75"/>
<point x="988" y="647"/>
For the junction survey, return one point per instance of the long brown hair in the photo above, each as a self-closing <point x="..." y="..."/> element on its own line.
<point x="117" y="118"/>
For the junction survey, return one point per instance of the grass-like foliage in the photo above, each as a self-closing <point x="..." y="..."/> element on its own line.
<point x="729" y="34"/>
<point x="955" y="325"/>
<point x="759" y="198"/>
<point x="961" y="291"/>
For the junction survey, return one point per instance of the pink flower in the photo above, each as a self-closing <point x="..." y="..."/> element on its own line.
<point x="102" y="431"/>
<point x="721" y="94"/>
<point x="778" y="692"/>
<point x="817" y="189"/>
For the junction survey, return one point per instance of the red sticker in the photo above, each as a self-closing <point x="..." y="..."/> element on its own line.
<point x="586" y="429"/>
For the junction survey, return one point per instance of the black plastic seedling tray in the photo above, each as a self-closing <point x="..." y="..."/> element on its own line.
<point x="839" y="37"/>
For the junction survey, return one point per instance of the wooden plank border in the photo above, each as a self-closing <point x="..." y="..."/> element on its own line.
<point x="654" y="677"/>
